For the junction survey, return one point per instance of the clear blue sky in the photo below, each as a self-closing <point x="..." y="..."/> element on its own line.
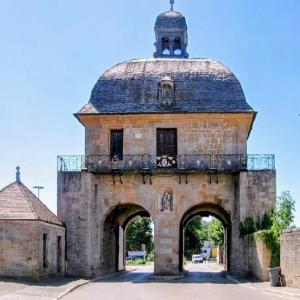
<point x="53" y="51"/>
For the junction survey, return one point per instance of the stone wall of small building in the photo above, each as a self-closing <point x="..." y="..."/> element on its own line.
<point x="290" y="256"/>
<point x="21" y="249"/>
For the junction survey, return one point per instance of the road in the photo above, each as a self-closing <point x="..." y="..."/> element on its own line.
<point x="202" y="282"/>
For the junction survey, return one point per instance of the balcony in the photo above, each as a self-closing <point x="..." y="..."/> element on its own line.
<point x="184" y="163"/>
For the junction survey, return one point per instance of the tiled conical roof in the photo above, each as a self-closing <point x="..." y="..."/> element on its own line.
<point x="17" y="202"/>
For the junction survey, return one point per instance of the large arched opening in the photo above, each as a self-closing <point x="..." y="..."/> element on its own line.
<point x="206" y="211"/>
<point x="114" y="237"/>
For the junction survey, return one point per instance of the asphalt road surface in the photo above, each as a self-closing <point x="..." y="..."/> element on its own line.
<point x="204" y="282"/>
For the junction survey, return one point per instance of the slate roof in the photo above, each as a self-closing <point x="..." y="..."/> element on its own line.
<point x="202" y="85"/>
<point x="17" y="202"/>
<point x="171" y="19"/>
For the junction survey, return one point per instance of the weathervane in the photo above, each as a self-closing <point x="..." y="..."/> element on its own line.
<point x="172" y="2"/>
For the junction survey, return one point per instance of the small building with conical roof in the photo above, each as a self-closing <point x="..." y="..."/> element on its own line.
<point x="32" y="238"/>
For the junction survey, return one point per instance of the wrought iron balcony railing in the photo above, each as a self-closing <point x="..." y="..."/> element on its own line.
<point x="103" y="164"/>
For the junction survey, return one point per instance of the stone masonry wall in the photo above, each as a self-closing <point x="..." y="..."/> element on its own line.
<point x="197" y="134"/>
<point x="290" y="256"/>
<point x="257" y="257"/>
<point x="75" y="208"/>
<point x="21" y="248"/>
<point x="257" y="193"/>
<point x="86" y="200"/>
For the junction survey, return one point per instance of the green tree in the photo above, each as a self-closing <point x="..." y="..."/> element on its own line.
<point x="282" y="217"/>
<point x="216" y="232"/>
<point x="139" y="231"/>
<point x="194" y="235"/>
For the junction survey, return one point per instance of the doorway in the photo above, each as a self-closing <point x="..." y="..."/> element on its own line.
<point x="167" y="148"/>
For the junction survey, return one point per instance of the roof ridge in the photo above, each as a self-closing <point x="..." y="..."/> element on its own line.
<point x="34" y="206"/>
<point x="40" y="202"/>
<point x="25" y="189"/>
<point x="8" y="185"/>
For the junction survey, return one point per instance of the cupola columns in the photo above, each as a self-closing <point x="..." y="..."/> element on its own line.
<point x="171" y="35"/>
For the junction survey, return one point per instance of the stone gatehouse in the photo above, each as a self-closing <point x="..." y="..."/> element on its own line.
<point x="167" y="138"/>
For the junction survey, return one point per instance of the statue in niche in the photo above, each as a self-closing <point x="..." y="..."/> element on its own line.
<point x="167" y="202"/>
<point x="166" y="91"/>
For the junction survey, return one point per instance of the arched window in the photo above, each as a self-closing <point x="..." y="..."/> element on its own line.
<point x="177" y="46"/>
<point x="165" y="46"/>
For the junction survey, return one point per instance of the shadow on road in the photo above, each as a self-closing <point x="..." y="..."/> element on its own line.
<point x="54" y="282"/>
<point x="145" y="275"/>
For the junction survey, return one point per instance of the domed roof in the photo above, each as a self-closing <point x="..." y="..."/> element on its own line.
<point x="171" y="19"/>
<point x="201" y="85"/>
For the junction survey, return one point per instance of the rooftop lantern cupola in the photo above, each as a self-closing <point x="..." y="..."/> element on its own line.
<point x="171" y="35"/>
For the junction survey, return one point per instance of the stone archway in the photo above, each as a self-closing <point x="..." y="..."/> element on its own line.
<point x="113" y="248"/>
<point x="205" y="210"/>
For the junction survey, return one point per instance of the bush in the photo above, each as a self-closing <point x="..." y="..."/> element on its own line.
<point x="247" y="226"/>
<point x="272" y="242"/>
<point x="269" y="229"/>
<point x="137" y="262"/>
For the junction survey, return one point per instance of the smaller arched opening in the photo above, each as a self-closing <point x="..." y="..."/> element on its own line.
<point x="205" y="232"/>
<point x="165" y="46"/>
<point x="115" y="245"/>
<point x="177" y="46"/>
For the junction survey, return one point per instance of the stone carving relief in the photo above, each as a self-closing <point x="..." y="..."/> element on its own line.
<point x="166" y="201"/>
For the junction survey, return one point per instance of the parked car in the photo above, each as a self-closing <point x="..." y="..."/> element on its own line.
<point x="197" y="259"/>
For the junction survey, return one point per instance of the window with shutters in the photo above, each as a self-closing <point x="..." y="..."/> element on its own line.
<point x="116" y="145"/>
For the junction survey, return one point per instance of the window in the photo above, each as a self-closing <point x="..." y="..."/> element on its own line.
<point x="178" y="52"/>
<point x="166" y="52"/>
<point x="165" y="46"/>
<point x="116" y="145"/>
<point x="167" y="148"/>
<point x="177" y="43"/>
<point x="45" y="250"/>
<point x="59" y="254"/>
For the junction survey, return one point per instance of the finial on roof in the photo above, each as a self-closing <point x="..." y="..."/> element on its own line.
<point x="18" y="174"/>
<point x="172" y="2"/>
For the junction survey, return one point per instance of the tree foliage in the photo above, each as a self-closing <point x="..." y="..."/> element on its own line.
<point x="194" y="235"/>
<point x="269" y="229"/>
<point x="283" y="214"/>
<point x="216" y="232"/>
<point x="138" y="232"/>
<point x="197" y="231"/>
